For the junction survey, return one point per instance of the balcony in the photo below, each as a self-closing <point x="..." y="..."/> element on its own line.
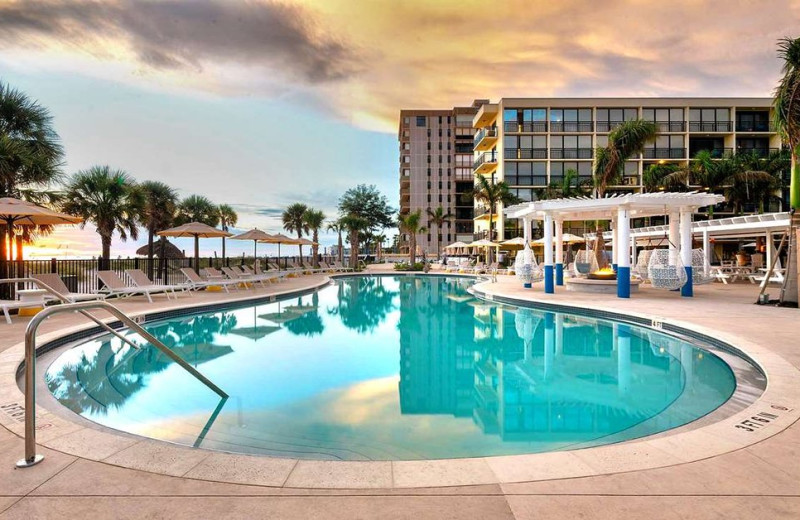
<point x="485" y="139"/>
<point x="666" y="127"/>
<point x="571" y="126"/>
<point x="485" y="163"/>
<point x="571" y="153"/>
<point x="487" y="114"/>
<point x="525" y="153"/>
<point x="665" y="153"/>
<point x="528" y="127"/>
<point x="710" y="126"/>
<point x="756" y="150"/>
<point x="482" y="213"/>
<point x="754" y="126"/>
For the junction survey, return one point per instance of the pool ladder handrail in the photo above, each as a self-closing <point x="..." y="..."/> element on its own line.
<point x="31" y="457"/>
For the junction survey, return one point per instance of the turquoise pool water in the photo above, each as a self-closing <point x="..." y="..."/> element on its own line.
<point x="393" y="368"/>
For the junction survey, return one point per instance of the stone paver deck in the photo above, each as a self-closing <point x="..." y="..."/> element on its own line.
<point x="762" y="479"/>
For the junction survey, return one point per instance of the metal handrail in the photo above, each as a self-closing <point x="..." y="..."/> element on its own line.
<point x="31" y="457"/>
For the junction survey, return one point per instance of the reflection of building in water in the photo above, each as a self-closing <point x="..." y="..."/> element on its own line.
<point x="437" y="348"/>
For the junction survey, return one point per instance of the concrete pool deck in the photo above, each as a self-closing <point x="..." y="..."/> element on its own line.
<point x="741" y="473"/>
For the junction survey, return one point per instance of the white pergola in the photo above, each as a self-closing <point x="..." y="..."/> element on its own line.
<point x="767" y="225"/>
<point x="619" y="209"/>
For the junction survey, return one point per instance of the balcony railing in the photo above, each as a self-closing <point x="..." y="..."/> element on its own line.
<point x="571" y="153"/>
<point x="607" y="126"/>
<point x="716" y="153"/>
<point x="484" y="158"/>
<point x="754" y="126"/>
<point x="760" y="151"/>
<point x="483" y="133"/>
<point x="664" y="127"/>
<point x="710" y="126"/>
<point x="530" y="127"/>
<point x="525" y="153"/>
<point x="571" y="126"/>
<point x="664" y="153"/>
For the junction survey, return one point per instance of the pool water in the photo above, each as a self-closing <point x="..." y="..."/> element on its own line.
<point x="392" y="368"/>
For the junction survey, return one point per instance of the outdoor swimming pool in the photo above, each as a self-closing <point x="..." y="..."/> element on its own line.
<point x="393" y="368"/>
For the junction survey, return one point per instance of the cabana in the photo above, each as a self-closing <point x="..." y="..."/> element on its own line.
<point x="619" y="210"/>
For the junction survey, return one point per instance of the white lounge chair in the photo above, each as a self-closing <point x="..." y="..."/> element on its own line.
<point x="8" y="305"/>
<point x="269" y="277"/>
<point x="54" y="281"/>
<point x="140" y="279"/>
<point x="236" y="274"/>
<point x="340" y="267"/>
<point x="196" y="282"/>
<point x="114" y="286"/>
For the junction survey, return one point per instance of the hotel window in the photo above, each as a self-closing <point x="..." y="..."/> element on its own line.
<point x="429" y="145"/>
<point x="429" y="172"/>
<point x="709" y="120"/>
<point x="429" y="159"/>
<point x="666" y="147"/>
<point x="534" y="120"/>
<point x="448" y="130"/>
<point x="752" y="121"/>
<point x="571" y="120"/>
<point x="406" y="159"/>
<point x="525" y="194"/>
<point x="571" y="147"/>
<point x="558" y="168"/>
<point x="440" y="120"/>
<point x="610" y="118"/>
<point x="666" y="119"/>
<point x="526" y="173"/>
<point x="440" y="172"/>
<point x="406" y="120"/>
<point x="511" y="120"/>
<point x="421" y="121"/>
<point x="449" y="172"/>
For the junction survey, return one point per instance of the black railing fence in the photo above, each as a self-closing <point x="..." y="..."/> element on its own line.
<point x="80" y="275"/>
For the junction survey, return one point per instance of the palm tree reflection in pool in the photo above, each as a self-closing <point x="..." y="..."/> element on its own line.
<point x="107" y="380"/>
<point x="363" y="303"/>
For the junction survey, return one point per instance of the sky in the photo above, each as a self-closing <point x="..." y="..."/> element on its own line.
<point x="259" y="103"/>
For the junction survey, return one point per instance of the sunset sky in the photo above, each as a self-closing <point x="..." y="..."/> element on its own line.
<point x="259" y="103"/>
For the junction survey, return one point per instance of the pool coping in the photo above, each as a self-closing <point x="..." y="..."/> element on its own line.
<point x="776" y="409"/>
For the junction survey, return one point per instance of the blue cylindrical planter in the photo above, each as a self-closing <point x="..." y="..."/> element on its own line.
<point x="688" y="288"/>
<point x="549" y="286"/>
<point x="623" y="282"/>
<point x="559" y="274"/>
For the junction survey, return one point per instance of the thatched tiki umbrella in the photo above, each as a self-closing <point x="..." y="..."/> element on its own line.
<point x="197" y="230"/>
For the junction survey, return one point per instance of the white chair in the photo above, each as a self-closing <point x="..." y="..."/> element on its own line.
<point x="665" y="270"/>
<point x="197" y="282"/>
<point x="114" y="286"/>
<point x="8" y="305"/>
<point x="140" y="279"/>
<point x="54" y="281"/>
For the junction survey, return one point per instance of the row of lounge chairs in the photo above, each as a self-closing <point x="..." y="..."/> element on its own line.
<point x="138" y="284"/>
<point x="479" y="268"/>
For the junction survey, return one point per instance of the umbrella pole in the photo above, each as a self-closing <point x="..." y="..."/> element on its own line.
<point x="197" y="253"/>
<point x="279" y="256"/>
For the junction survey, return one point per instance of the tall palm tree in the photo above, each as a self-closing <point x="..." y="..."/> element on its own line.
<point x="158" y="212"/>
<point x="787" y="121"/>
<point x="625" y="141"/>
<point x="336" y="227"/>
<point x="294" y="222"/>
<point x="411" y="223"/>
<point x="227" y="219"/>
<point x="110" y="199"/>
<point x="196" y="208"/>
<point x="437" y="218"/>
<point x="314" y="219"/>
<point x="355" y="225"/>
<point x="491" y="194"/>
<point x="654" y="177"/>
<point x="570" y="186"/>
<point x="30" y="159"/>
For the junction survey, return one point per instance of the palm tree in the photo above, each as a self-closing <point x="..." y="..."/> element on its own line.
<point x="110" y="199"/>
<point x="294" y="222"/>
<point x="787" y="121"/>
<point x="158" y="212"/>
<point x="492" y="195"/>
<point x="355" y="225"/>
<point x="654" y="177"/>
<point x="437" y="218"/>
<point x="569" y="186"/>
<point x="227" y="219"/>
<point x="313" y="220"/>
<point x="196" y="208"/>
<point x="30" y="159"/>
<point x="336" y="227"/>
<point x="411" y="223"/>
<point x="625" y="141"/>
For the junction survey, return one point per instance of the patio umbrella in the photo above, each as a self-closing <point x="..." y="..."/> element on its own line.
<point x="255" y="235"/>
<point x="484" y="243"/>
<point x="197" y="230"/>
<point x="280" y="239"/>
<point x="16" y="212"/>
<point x="566" y="238"/>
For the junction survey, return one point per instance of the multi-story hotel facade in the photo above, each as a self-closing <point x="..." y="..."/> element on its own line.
<point x="436" y="169"/>
<point x="532" y="142"/>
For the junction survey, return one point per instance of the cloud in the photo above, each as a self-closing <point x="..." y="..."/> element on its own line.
<point x="364" y="61"/>
<point x="187" y="37"/>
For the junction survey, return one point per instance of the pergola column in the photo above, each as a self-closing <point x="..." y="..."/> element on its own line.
<point x="686" y="251"/>
<point x="673" y="238"/>
<point x="549" y="286"/>
<point x="770" y="248"/>
<point x="614" y="243"/>
<point x="559" y="252"/>
<point x="526" y="234"/>
<point x="706" y="253"/>
<point x="623" y="257"/>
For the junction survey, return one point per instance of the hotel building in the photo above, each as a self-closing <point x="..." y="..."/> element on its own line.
<point x="532" y="142"/>
<point x="436" y="169"/>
